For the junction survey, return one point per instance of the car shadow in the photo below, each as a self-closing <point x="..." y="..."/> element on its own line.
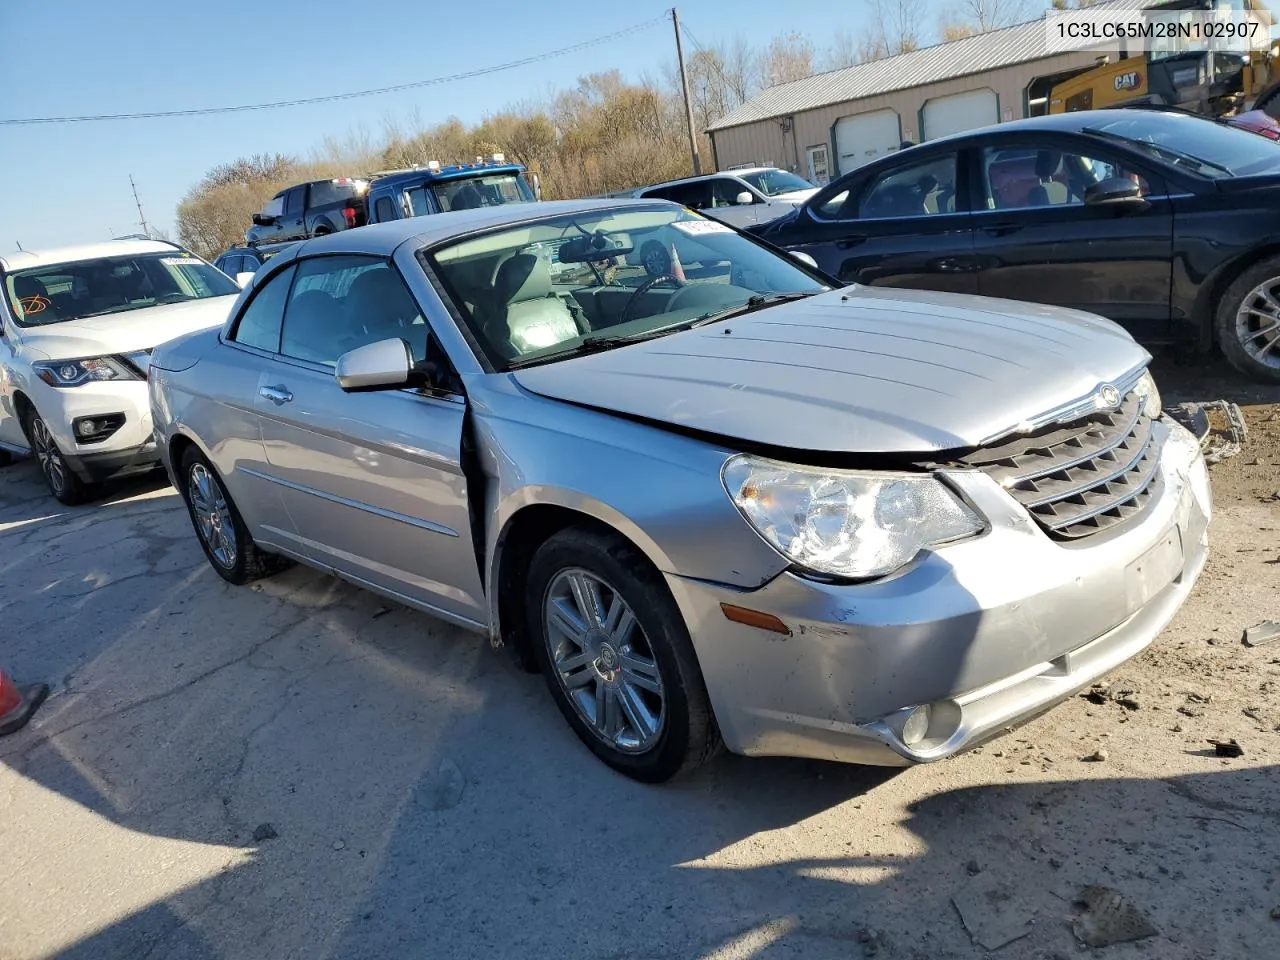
<point x="1207" y="378"/>
<point x="302" y="769"/>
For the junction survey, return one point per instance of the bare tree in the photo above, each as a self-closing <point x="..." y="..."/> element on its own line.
<point x="843" y="51"/>
<point x="968" y="17"/>
<point x="895" y="29"/>
<point x="789" y="57"/>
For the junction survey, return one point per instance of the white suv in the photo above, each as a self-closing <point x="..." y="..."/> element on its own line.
<point x="77" y="327"/>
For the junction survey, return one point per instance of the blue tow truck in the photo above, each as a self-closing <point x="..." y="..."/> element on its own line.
<point x="420" y="191"/>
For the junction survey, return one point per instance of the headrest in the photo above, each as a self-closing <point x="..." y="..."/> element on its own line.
<point x="523" y="277"/>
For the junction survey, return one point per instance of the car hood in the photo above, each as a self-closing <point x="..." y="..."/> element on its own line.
<point x="858" y="370"/>
<point x="125" y="332"/>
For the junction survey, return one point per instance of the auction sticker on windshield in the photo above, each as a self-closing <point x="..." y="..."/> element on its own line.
<point x="180" y="261"/>
<point x="696" y="228"/>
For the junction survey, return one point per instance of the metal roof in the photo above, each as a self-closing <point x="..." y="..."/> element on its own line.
<point x="944" y="61"/>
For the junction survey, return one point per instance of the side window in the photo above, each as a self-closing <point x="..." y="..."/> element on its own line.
<point x="384" y="209"/>
<point x="724" y="192"/>
<point x="419" y="201"/>
<point x="831" y="206"/>
<point x="1025" y="178"/>
<point x="233" y="265"/>
<point x="259" y="324"/>
<point x="919" y="189"/>
<point x="657" y="193"/>
<point x="696" y="195"/>
<point x="293" y="201"/>
<point x="343" y="302"/>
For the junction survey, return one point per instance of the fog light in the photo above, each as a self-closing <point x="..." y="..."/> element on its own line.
<point x="96" y="429"/>
<point x="917" y="725"/>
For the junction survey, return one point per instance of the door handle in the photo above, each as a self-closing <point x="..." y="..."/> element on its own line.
<point x="1001" y="229"/>
<point x="277" y="395"/>
<point x="848" y="242"/>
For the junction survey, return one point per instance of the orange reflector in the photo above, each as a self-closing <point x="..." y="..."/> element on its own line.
<point x="754" y="618"/>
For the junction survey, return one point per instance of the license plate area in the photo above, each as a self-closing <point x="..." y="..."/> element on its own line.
<point x="1154" y="570"/>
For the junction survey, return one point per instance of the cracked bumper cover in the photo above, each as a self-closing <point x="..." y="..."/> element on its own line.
<point x="988" y="633"/>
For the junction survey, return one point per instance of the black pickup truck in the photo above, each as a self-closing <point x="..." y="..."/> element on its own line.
<point x="311" y="210"/>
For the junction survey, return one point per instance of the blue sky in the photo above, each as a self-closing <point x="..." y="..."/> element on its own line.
<point x="69" y="183"/>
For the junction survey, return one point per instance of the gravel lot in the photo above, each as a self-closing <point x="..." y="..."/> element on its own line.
<point x="302" y="769"/>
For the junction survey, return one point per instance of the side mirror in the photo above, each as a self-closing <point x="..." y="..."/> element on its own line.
<point x="744" y="198"/>
<point x="244" y="279"/>
<point x="804" y="258"/>
<point x="263" y="219"/>
<point x="1114" y="190"/>
<point x="537" y="187"/>
<point x="375" y="366"/>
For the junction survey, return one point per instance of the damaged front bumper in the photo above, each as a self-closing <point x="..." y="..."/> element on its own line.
<point x="967" y="642"/>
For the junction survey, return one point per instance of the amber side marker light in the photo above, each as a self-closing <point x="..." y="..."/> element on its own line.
<point x="754" y="618"/>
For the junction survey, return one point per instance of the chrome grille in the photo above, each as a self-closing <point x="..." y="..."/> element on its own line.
<point x="1081" y="477"/>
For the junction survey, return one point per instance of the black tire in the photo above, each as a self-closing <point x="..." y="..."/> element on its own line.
<point x="687" y="735"/>
<point x="655" y="258"/>
<point x="66" y="487"/>
<point x="244" y="562"/>
<point x="1236" y="337"/>
<point x="322" y="230"/>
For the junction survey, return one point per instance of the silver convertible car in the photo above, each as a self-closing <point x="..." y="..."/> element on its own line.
<point x="730" y="503"/>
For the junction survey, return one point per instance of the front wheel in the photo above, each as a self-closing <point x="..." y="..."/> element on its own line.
<point x="65" y="486"/>
<point x="1248" y="322"/>
<point x="617" y="657"/>
<point x="218" y="525"/>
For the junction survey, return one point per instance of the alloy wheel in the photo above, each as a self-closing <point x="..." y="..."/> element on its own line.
<point x="212" y="515"/>
<point x="603" y="661"/>
<point x="49" y="457"/>
<point x="1258" y="323"/>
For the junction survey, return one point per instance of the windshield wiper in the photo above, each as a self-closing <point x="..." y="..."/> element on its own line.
<point x="592" y="343"/>
<point x="759" y="301"/>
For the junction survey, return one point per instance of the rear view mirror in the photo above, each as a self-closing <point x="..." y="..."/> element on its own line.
<point x="1113" y="190"/>
<point x="244" y="279"/>
<point x="744" y="198"/>
<point x="591" y="249"/>
<point x="383" y="365"/>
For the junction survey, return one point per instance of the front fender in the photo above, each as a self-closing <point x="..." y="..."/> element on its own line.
<point x="660" y="490"/>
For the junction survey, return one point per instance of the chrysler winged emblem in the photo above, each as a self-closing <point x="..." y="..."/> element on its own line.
<point x="1107" y="398"/>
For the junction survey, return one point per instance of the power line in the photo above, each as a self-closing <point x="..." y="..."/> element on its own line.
<point x="483" y="71"/>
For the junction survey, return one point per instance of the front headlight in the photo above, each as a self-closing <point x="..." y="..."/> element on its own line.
<point x="75" y="373"/>
<point x="846" y="523"/>
<point x="1150" y="395"/>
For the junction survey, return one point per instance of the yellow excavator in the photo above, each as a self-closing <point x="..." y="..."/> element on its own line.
<point x="1213" y="83"/>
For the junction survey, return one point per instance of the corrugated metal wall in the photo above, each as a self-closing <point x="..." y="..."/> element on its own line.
<point x="767" y="142"/>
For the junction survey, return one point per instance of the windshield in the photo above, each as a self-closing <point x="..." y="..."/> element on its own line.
<point x="773" y="182"/>
<point x="92" y="288"/>
<point x="490" y="191"/>
<point x="528" y="297"/>
<point x="1201" y="146"/>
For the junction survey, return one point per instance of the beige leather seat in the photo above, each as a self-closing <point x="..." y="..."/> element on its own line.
<point x="529" y="315"/>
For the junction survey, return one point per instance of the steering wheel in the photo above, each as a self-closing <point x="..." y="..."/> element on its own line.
<point x="644" y="288"/>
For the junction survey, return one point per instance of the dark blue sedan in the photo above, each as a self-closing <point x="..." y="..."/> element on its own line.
<point x="1165" y="222"/>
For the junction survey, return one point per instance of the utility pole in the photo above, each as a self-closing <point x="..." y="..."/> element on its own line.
<point x="684" y="86"/>
<point x="142" y="219"/>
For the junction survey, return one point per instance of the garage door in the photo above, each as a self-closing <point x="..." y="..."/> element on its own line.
<point x="866" y="136"/>
<point x="959" y="112"/>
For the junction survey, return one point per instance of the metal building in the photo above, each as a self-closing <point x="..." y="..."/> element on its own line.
<point x="831" y="123"/>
